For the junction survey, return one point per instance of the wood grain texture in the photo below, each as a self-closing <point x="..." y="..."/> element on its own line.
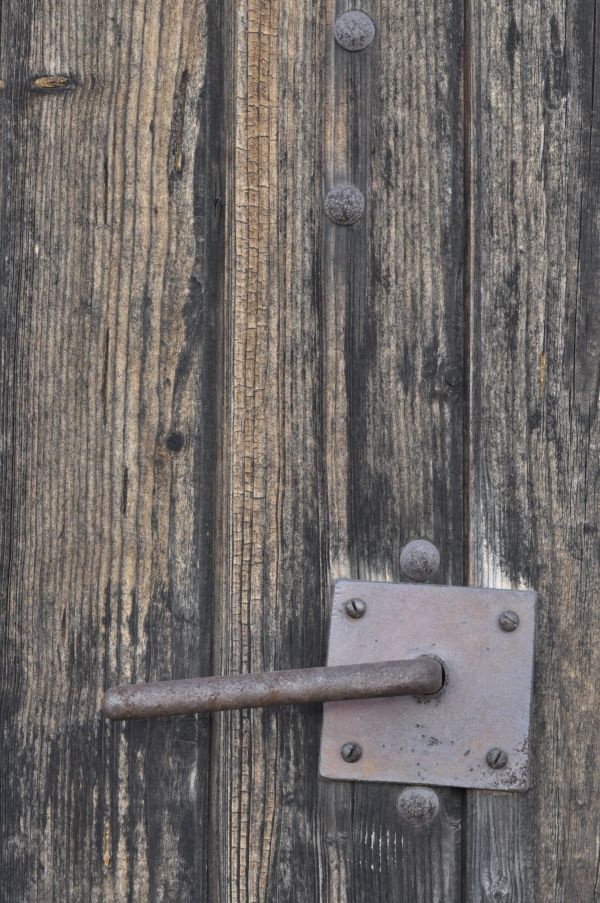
<point x="535" y="437"/>
<point x="342" y="436"/>
<point x="393" y="296"/>
<point x="110" y="289"/>
<point x="272" y="569"/>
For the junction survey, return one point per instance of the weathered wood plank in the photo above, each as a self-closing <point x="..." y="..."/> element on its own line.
<point x="273" y="581"/>
<point x="343" y="437"/>
<point x="324" y="388"/>
<point x="535" y="438"/>
<point x="393" y="290"/>
<point x="109" y="255"/>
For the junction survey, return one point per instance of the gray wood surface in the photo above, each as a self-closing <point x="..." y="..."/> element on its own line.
<point x="109" y="299"/>
<point x="213" y="401"/>
<point x="342" y="437"/>
<point x="534" y="497"/>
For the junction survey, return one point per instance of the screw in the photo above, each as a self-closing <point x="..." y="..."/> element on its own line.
<point x="508" y="621"/>
<point x="418" y="806"/>
<point x="420" y="560"/>
<point x="354" y="30"/>
<point x="355" y="608"/>
<point x="351" y="751"/>
<point x="496" y="758"/>
<point x="344" y="205"/>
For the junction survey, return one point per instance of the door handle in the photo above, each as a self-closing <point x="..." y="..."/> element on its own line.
<point x="433" y="684"/>
<point x="420" y="676"/>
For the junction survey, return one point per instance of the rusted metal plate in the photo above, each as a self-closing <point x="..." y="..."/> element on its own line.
<point x="483" y="706"/>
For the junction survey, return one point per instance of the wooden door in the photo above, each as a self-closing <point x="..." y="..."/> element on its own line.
<point x="214" y="400"/>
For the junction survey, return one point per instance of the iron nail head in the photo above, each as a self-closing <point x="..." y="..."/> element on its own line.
<point x="418" y="806"/>
<point x="354" y="30"/>
<point x="344" y="205"/>
<point x="420" y="560"/>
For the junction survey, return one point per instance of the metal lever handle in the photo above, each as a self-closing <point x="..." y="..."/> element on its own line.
<point x="211" y="694"/>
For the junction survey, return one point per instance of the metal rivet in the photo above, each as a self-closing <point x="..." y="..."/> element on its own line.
<point x="496" y="758"/>
<point x="354" y="30"/>
<point x="175" y="441"/>
<point x="344" y="205"/>
<point x="418" y="806"/>
<point x="419" y="560"/>
<point x="351" y="751"/>
<point x="355" y="608"/>
<point x="508" y="621"/>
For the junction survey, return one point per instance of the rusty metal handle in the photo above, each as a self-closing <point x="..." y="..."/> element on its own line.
<point x="211" y="694"/>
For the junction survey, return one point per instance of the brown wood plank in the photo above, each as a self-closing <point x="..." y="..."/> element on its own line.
<point x="343" y="433"/>
<point x="535" y="437"/>
<point x="108" y="402"/>
<point x="272" y="580"/>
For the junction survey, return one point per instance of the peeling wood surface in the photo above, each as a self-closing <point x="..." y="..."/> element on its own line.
<point x="535" y="430"/>
<point x="213" y="401"/>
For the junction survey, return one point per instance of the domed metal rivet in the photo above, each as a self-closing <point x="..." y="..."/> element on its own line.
<point x="420" y="560"/>
<point x="344" y="205"/>
<point x="351" y="751"/>
<point x="354" y="30"/>
<point x="418" y="806"/>
<point x="355" y="608"/>
<point x="508" y="621"/>
<point x="496" y="758"/>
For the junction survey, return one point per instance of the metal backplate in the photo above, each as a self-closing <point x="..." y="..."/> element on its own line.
<point x="484" y="704"/>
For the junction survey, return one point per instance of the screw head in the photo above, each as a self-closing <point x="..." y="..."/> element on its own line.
<point x="418" y="806"/>
<point x="420" y="560"/>
<point x="496" y="757"/>
<point x="344" y="205"/>
<point x="508" y="621"/>
<point x="355" y="608"/>
<point x="354" y="30"/>
<point x="351" y="751"/>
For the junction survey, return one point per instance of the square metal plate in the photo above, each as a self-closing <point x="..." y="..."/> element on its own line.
<point x="485" y="702"/>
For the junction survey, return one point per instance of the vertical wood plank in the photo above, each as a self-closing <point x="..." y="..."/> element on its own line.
<point x="109" y="256"/>
<point x="273" y="580"/>
<point x="393" y="290"/>
<point x="342" y="414"/>
<point x="535" y="438"/>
